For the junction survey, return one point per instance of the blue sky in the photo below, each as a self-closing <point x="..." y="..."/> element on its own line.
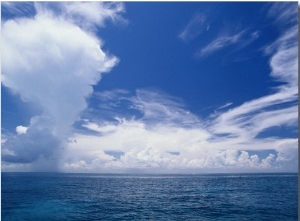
<point x="149" y="87"/>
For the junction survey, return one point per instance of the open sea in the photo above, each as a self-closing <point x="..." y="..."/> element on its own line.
<point x="63" y="196"/>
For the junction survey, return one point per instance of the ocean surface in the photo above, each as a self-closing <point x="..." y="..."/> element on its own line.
<point x="62" y="196"/>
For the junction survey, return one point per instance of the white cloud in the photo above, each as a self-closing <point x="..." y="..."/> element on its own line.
<point x="21" y="129"/>
<point x="111" y="95"/>
<point x="284" y="63"/>
<point x="225" y="105"/>
<point x="52" y="62"/>
<point x="160" y="107"/>
<point x="219" y="43"/>
<point x="252" y="117"/>
<point x="86" y="15"/>
<point x="283" y="12"/>
<point x="194" y="28"/>
<point x="148" y="149"/>
<point x="95" y="12"/>
<point x="227" y="141"/>
<point x="248" y="119"/>
<point x="60" y="80"/>
<point x="147" y="142"/>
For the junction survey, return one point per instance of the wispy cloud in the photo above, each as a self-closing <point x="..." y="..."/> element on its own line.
<point x="166" y="109"/>
<point x="228" y="35"/>
<point x="283" y="63"/>
<point x="17" y="9"/>
<point x="283" y="12"/>
<point x="219" y="43"/>
<point x="225" y="105"/>
<point x="194" y="28"/>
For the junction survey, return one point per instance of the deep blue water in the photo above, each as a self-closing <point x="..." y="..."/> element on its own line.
<point x="60" y="196"/>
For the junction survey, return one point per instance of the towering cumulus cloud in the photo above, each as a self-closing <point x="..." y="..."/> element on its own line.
<point x="52" y="61"/>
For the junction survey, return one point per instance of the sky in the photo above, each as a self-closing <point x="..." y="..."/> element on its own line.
<point x="149" y="87"/>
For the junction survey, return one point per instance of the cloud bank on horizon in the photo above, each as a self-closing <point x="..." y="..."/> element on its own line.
<point x="54" y="60"/>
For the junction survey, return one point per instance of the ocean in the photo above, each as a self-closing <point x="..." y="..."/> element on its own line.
<point x="63" y="196"/>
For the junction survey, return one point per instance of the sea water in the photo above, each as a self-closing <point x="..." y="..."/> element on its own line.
<point x="62" y="196"/>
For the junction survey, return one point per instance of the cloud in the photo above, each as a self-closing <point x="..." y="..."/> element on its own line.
<point x="60" y="79"/>
<point x="225" y="105"/>
<point x="164" y="148"/>
<point x="147" y="130"/>
<point x="111" y="95"/>
<point x="194" y="28"/>
<point x="29" y="147"/>
<point x="17" y="9"/>
<point x="95" y="12"/>
<point x="253" y="116"/>
<point x="200" y="24"/>
<point x="219" y="43"/>
<point x="21" y="129"/>
<point x="86" y="15"/>
<point x="54" y="70"/>
<point x="284" y="63"/>
<point x="158" y="106"/>
<point x="248" y="120"/>
<point x="168" y="137"/>
<point x="283" y="12"/>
